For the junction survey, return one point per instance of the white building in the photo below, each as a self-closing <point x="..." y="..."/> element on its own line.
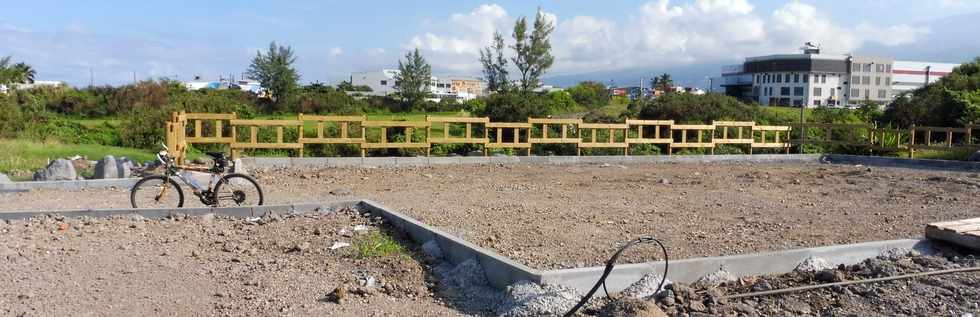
<point x="382" y="83"/>
<point x="909" y="75"/>
<point x="814" y="79"/>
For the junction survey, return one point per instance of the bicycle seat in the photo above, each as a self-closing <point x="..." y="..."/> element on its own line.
<point x="216" y="155"/>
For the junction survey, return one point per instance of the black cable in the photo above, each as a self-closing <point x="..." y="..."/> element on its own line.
<point x="612" y="263"/>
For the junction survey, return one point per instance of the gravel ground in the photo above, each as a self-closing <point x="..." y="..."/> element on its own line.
<point x="956" y="294"/>
<point x="562" y="216"/>
<point x="197" y="266"/>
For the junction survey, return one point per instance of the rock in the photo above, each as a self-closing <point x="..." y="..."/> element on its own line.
<point x="4" y="178"/>
<point x="345" y="233"/>
<point x="339" y="244"/>
<point x="746" y="310"/>
<point x="361" y="228"/>
<point x="342" y="192"/>
<point x="632" y="307"/>
<point x="829" y="276"/>
<point x="664" y="181"/>
<point x="125" y="167"/>
<point x="813" y="264"/>
<point x="338" y="295"/>
<point x="646" y="287"/>
<point x="761" y="286"/>
<point x="697" y="306"/>
<point x="796" y="306"/>
<point x="57" y="170"/>
<point x="300" y="247"/>
<point x="106" y="168"/>
<point x="714" y="279"/>
<point x="975" y="157"/>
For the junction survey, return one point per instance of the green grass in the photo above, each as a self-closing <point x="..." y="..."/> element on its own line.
<point x="377" y="244"/>
<point x="26" y="156"/>
<point x="91" y="123"/>
<point x="951" y="155"/>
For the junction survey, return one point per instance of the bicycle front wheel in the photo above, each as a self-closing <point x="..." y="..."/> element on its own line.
<point x="235" y="190"/>
<point x="156" y="192"/>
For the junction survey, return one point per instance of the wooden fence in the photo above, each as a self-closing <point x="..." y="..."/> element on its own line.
<point x="184" y="129"/>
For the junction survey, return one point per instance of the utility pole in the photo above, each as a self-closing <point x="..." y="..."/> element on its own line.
<point x="928" y="68"/>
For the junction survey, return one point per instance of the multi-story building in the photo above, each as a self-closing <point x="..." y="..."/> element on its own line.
<point x="814" y="79"/>
<point x="382" y="83"/>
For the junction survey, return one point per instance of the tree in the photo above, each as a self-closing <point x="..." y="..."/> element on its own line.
<point x="663" y="83"/>
<point x="19" y="73"/>
<point x="949" y="101"/>
<point x="274" y="70"/>
<point x="532" y="53"/>
<point x="414" y="78"/>
<point x="590" y="94"/>
<point x="495" y="64"/>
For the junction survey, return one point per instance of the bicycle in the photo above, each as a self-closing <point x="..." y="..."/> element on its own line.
<point x="236" y="189"/>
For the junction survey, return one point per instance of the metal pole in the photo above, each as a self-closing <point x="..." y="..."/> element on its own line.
<point x="802" y="128"/>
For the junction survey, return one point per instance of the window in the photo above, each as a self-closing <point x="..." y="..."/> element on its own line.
<point x="855" y="80"/>
<point x="888" y="68"/>
<point x="833" y="92"/>
<point x="779" y="78"/>
<point x="855" y="93"/>
<point x="867" y="93"/>
<point x="817" y="91"/>
<point x="823" y="79"/>
<point x="796" y="78"/>
<point x="867" y="68"/>
<point x="784" y="91"/>
<point x="798" y="91"/>
<point x="384" y="83"/>
<point x="865" y="80"/>
<point x="888" y="81"/>
<point x="881" y="94"/>
<point x="756" y="78"/>
<point x="816" y="102"/>
<point x="877" y="81"/>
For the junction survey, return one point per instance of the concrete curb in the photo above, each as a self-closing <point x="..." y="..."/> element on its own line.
<point x="240" y="212"/>
<point x="501" y="271"/>
<point x="942" y="165"/>
<point x="69" y="185"/>
<point x="253" y="162"/>
<point x="690" y="270"/>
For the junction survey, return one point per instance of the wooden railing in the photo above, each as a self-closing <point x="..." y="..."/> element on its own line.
<point x="184" y="129"/>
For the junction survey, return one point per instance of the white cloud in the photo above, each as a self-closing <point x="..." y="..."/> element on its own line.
<point x="335" y="51"/>
<point x="660" y="33"/>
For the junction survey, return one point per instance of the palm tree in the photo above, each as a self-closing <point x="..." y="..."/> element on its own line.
<point x="663" y="83"/>
<point x="25" y="73"/>
<point x="19" y="73"/>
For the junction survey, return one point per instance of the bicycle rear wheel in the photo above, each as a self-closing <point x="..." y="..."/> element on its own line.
<point x="235" y="190"/>
<point x="156" y="192"/>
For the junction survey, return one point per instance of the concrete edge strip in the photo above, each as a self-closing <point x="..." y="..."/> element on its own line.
<point x="68" y="185"/>
<point x="766" y="263"/>
<point x="428" y="161"/>
<point x="942" y="165"/>
<point x="239" y="212"/>
<point x="500" y="270"/>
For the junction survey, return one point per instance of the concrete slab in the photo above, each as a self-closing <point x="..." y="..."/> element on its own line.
<point x="445" y="160"/>
<point x="162" y="213"/>
<point x="68" y="185"/>
<point x="411" y="161"/>
<point x="690" y="270"/>
<point x="379" y="161"/>
<point x="941" y="165"/>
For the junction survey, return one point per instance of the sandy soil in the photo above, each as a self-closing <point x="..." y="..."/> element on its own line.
<point x="561" y="216"/>
<point x="203" y="266"/>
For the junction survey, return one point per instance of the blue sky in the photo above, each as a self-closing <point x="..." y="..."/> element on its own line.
<point x="181" y="39"/>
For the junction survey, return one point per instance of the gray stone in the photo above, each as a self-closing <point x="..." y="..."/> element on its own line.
<point x="975" y="157"/>
<point x="57" y="170"/>
<point x="646" y="287"/>
<point x="813" y="264"/>
<point x="106" y="168"/>
<point x="125" y="167"/>
<point x="4" y="178"/>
